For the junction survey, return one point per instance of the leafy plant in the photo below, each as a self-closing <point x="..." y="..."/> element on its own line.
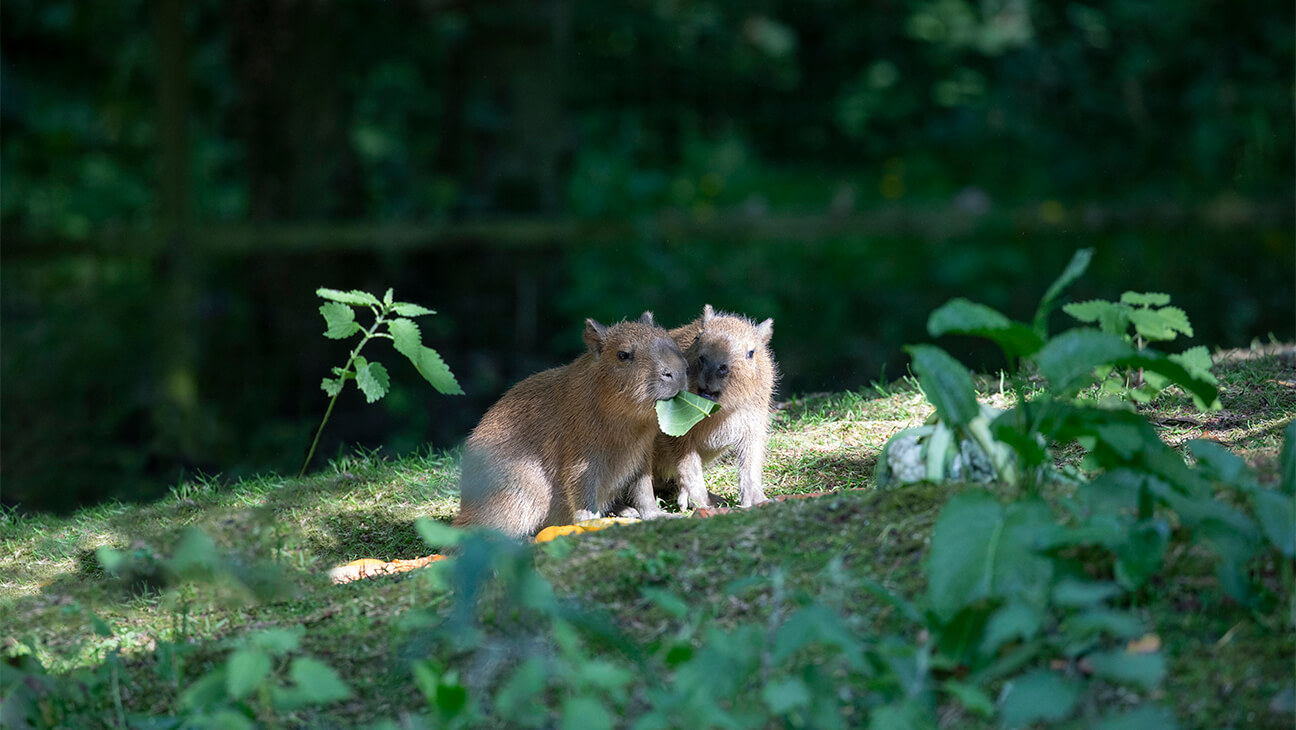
<point x="679" y="414"/>
<point x="1153" y="320"/>
<point x="371" y="377"/>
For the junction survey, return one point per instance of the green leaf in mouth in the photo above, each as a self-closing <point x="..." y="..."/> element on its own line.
<point x="677" y="415"/>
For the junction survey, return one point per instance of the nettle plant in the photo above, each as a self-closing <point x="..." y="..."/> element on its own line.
<point x="1005" y="590"/>
<point x="1153" y="320"/>
<point x="392" y="321"/>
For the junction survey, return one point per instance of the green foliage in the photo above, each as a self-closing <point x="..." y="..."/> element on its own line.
<point x="371" y="377"/>
<point x="676" y="416"/>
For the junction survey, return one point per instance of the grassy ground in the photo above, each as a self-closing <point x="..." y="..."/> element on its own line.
<point x="1226" y="663"/>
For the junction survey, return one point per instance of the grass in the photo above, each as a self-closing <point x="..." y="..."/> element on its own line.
<point x="1227" y="663"/>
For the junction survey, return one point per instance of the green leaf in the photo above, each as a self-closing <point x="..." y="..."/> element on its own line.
<point x="1075" y="268"/>
<point x="980" y="549"/>
<point x="1160" y="324"/>
<point x="963" y="317"/>
<point x="1080" y="593"/>
<point x="451" y="699"/>
<point x="100" y="627"/>
<point x="946" y="383"/>
<point x="405" y="309"/>
<point x="1143" y="717"/>
<point x="970" y="696"/>
<point x="1014" y="620"/>
<point x="247" y="669"/>
<point x="387" y="298"/>
<point x="195" y="552"/>
<point x="584" y="712"/>
<point x="518" y="692"/>
<point x="405" y="337"/>
<point x="318" y="682"/>
<point x="1039" y="695"/>
<point x="354" y="297"/>
<point x="1068" y="360"/>
<point x="784" y="695"/>
<point x="1145" y="299"/>
<point x="1145" y="670"/>
<point x="437" y="534"/>
<point x="279" y="640"/>
<point x="1102" y="621"/>
<point x="907" y="714"/>
<point x="1276" y="513"/>
<point x="1220" y="464"/>
<point x="331" y="387"/>
<point x="110" y="558"/>
<point x="679" y="414"/>
<point x="372" y="378"/>
<point x="340" y="320"/>
<point x="434" y="370"/>
<point x="1111" y="318"/>
<point x="208" y="690"/>
<point x="936" y="450"/>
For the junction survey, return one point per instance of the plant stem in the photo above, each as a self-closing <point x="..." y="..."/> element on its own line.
<point x="310" y="454"/>
<point x="369" y="334"/>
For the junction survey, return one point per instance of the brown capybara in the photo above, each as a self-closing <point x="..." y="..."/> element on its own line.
<point x="564" y="444"/>
<point x="729" y="362"/>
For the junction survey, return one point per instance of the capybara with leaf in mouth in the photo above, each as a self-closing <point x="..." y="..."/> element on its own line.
<point x="729" y="362"/>
<point x="564" y="444"/>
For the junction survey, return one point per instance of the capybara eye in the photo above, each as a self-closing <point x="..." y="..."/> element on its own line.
<point x="751" y="354"/>
<point x="624" y="356"/>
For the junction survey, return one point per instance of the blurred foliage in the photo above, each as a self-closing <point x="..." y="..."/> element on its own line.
<point x="427" y="113"/>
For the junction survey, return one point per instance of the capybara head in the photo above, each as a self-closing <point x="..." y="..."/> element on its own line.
<point x="636" y="360"/>
<point x="730" y="360"/>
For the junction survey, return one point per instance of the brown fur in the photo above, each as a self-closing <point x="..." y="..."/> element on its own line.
<point x="564" y="444"/>
<point x="717" y="346"/>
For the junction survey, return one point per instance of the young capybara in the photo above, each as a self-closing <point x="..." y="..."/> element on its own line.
<point x="729" y="362"/>
<point x="564" y="444"/>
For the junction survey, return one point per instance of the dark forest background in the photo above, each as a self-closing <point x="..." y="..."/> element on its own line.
<point x="177" y="178"/>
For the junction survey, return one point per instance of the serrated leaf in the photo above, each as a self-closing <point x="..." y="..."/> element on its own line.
<point x="1145" y="299"/>
<point x="963" y="317"/>
<point x="406" y="309"/>
<point x="208" y="690"/>
<point x="247" y="669"/>
<point x="1145" y="670"/>
<point x="1159" y="324"/>
<point x="946" y="383"/>
<point x="340" y="320"/>
<point x="318" y="682"/>
<point x="1110" y="317"/>
<point x="372" y="378"/>
<point x="331" y="387"/>
<point x="1068" y="360"/>
<point x="679" y="414"/>
<point x="434" y="370"/>
<point x="354" y="297"/>
<point x="406" y="337"/>
<point x="1039" y="695"/>
<point x="279" y="640"/>
<point x="1196" y="360"/>
<point x="387" y="298"/>
<point x="1075" y="268"/>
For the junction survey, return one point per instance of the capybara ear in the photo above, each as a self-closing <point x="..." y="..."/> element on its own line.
<point x="595" y="335"/>
<point x="765" y="330"/>
<point x="647" y="319"/>
<point x="707" y="313"/>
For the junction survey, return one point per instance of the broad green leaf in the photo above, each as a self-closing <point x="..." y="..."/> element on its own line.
<point x="584" y="712"/>
<point x="220" y="720"/>
<point x="208" y="690"/>
<point x="1100" y="622"/>
<point x="1013" y="620"/>
<point x="1039" y="695"/>
<point x="340" y="320"/>
<point x="331" y="386"/>
<point x="279" y="640"/>
<point x="100" y="627"/>
<point x="406" y="337"/>
<point x="970" y="696"/>
<point x="1220" y="464"/>
<point x="1143" y="717"/>
<point x="1196" y="360"/>
<point x="247" y="669"/>
<point x="980" y="549"/>
<point x="1075" y="268"/>
<point x="963" y="317"/>
<point x="815" y="624"/>
<point x="434" y="370"/>
<point x="602" y="674"/>
<point x="318" y="681"/>
<point x="946" y="383"/>
<point x="1141" y="556"/>
<point x="676" y="416"/>
<point x="1068" y="360"/>
<point x="405" y="309"/>
<point x="372" y="378"/>
<point x="937" y="451"/>
<point x="1080" y="593"/>
<point x="110" y="558"/>
<point x="784" y="695"/>
<point x="907" y="714"/>
<point x="451" y="699"/>
<point x="1277" y="515"/>
<point x="1145" y="299"/>
<point x="387" y="298"/>
<point x="516" y="694"/>
<point x="196" y="551"/>
<point x="1145" y="670"/>
<point x="437" y="534"/>
<point x="354" y="297"/>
